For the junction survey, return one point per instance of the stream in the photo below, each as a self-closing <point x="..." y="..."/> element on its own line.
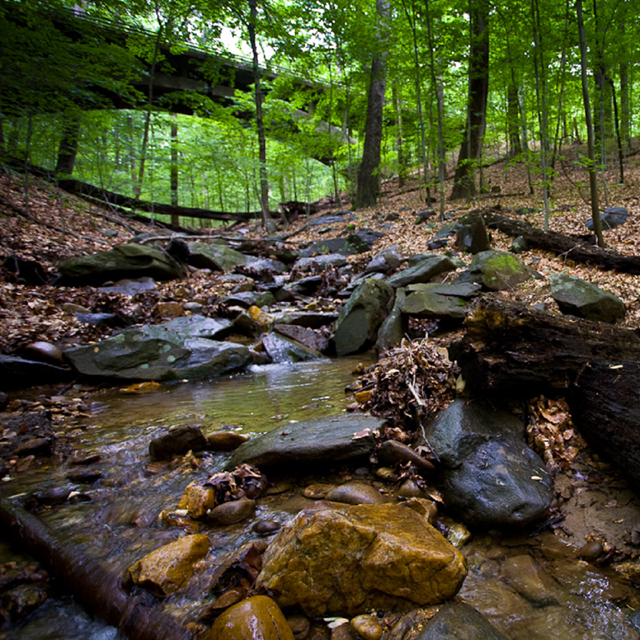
<point x="119" y="524"/>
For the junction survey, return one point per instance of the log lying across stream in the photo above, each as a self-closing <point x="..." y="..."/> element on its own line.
<point x="101" y="591"/>
<point x="512" y="350"/>
<point x="572" y="248"/>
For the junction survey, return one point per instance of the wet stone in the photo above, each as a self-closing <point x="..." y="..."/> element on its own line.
<point x="300" y="626"/>
<point x="225" y="440"/>
<point x="169" y="569"/>
<point x="84" y="475"/>
<point x="266" y="527"/>
<point x="231" y="512"/>
<point x="355" y="493"/>
<point x="256" y="618"/>
<point x="177" y="441"/>
<point x="367" y="627"/>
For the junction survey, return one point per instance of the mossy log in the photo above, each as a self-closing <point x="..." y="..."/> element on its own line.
<point x="101" y="591"/>
<point x="511" y="348"/>
<point x="575" y="249"/>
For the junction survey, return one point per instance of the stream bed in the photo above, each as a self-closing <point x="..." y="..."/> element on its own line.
<point x="568" y="598"/>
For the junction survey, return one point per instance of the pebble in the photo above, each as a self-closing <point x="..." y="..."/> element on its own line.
<point x="590" y="551"/>
<point x="355" y="493"/>
<point x="342" y="632"/>
<point x="410" y="489"/>
<point x="367" y="627"/>
<point x="266" y="527"/>
<point x="317" y="491"/>
<point x="231" y="512"/>
<point x="44" y="351"/>
<point x="300" y="626"/>
<point x="225" y="440"/>
<point x="84" y="475"/>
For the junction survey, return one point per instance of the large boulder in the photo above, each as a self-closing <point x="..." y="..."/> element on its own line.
<point x="577" y="297"/>
<point x="491" y="477"/>
<point x="321" y="262"/>
<point x="169" y="569"/>
<point x="125" y="261"/>
<point x="215" y="256"/>
<point x="157" y="353"/>
<point x="347" y="561"/>
<point x="426" y="304"/>
<point x="358" y="322"/>
<point x="472" y="235"/>
<point x="497" y="271"/>
<point x="428" y="268"/>
<point x="354" y="243"/>
<point x="330" y="439"/>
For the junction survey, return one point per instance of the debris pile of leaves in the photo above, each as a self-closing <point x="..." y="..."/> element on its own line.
<point x="410" y="382"/>
<point x="551" y="433"/>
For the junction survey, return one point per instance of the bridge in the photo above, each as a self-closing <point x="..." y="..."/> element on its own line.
<point x="184" y="68"/>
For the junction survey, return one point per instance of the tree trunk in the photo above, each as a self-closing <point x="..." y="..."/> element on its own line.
<point x="402" y="163"/>
<point x="593" y="179"/>
<point x="463" y="184"/>
<point x="68" y="148"/>
<point x="513" y="120"/>
<point x="262" y="139"/>
<point x="625" y="102"/>
<point x="368" y="182"/>
<point x="175" y="219"/>
<point x="436" y="82"/>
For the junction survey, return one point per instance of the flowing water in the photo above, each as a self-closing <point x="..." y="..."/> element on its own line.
<point x="120" y="522"/>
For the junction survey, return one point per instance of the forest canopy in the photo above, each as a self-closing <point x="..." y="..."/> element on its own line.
<point x="240" y="105"/>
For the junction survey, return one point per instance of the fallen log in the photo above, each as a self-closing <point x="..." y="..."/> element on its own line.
<point x="101" y="591"/>
<point x="571" y="248"/>
<point x="605" y="406"/>
<point x="84" y="189"/>
<point x="511" y="348"/>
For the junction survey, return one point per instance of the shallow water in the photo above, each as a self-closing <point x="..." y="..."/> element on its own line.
<point x="585" y="603"/>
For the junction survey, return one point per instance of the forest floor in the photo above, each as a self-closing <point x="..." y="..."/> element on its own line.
<point x="59" y="226"/>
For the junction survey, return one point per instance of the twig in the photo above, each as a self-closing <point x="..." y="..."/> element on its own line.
<point x="106" y="216"/>
<point x="27" y="215"/>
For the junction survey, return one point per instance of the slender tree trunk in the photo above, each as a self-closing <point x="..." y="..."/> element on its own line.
<point x="557" y="143"/>
<point x="513" y="120"/>
<point x="625" y="105"/>
<point x="402" y="163"/>
<point x="464" y="186"/>
<point x="174" y="168"/>
<point x="541" y="99"/>
<point x="436" y="81"/>
<point x="68" y="148"/>
<point x="262" y="138"/>
<point x="368" y="186"/>
<point x="416" y="80"/>
<point x="593" y="179"/>
<point x="616" y="121"/>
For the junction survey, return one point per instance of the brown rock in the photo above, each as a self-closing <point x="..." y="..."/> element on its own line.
<point x="36" y="447"/>
<point x="256" y="618"/>
<point x="343" y="632"/>
<point x="177" y="441"/>
<point x="392" y="452"/>
<point x="521" y="573"/>
<point x="307" y="337"/>
<point x="355" y="493"/>
<point x="232" y="512"/>
<point x="44" y="351"/>
<point x="168" y="309"/>
<point x="300" y="626"/>
<point x="367" y="627"/>
<point x="168" y="569"/>
<point x="358" y="558"/>
<point x="225" y="440"/>
<point x="197" y="500"/>
<point x="266" y="527"/>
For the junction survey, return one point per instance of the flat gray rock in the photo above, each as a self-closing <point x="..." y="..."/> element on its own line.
<point x="577" y="297"/>
<point x="197" y="326"/>
<point x="157" y="353"/>
<point x="425" y="270"/>
<point x="283" y="349"/>
<point x="215" y="256"/>
<point x="426" y="304"/>
<point x="328" y="440"/>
